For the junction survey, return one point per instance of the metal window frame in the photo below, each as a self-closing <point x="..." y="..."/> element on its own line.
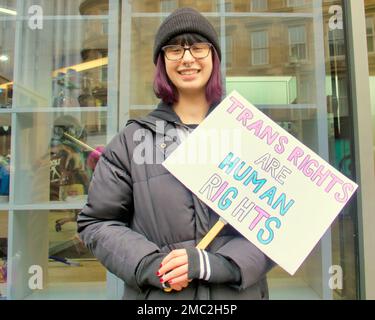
<point x="363" y="142"/>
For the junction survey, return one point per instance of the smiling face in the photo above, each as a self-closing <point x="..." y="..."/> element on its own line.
<point x="189" y="74"/>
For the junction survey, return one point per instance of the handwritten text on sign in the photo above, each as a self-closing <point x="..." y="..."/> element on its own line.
<point x="274" y="190"/>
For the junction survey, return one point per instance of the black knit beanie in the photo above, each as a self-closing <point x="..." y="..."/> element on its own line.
<point x="184" y="20"/>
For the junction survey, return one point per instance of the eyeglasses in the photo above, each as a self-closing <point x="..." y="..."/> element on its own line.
<point x="197" y="50"/>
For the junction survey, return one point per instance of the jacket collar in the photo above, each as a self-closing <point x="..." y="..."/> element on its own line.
<point x="165" y="112"/>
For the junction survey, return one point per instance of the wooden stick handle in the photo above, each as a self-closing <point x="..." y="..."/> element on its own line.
<point x="204" y="243"/>
<point x="80" y="143"/>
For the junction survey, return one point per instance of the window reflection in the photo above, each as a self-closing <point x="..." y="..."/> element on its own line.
<point x="259" y="48"/>
<point x="73" y="157"/>
<point x="69" y="260"/>
<point x="297" y="43"/>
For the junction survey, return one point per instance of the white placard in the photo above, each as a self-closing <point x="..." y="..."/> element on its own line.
<point x="274" y="190"/>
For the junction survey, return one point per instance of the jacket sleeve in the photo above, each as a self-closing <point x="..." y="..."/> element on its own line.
<point x="252" y="262"/>
<point x="103" y="223"/>
<point x="213" y="268"/>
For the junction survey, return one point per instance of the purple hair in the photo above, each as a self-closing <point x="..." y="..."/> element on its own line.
<point x="166" y="91"/>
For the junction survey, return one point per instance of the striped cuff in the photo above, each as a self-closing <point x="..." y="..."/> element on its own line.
<point x="199" y="264"/>
<point x="204" y="265"/>
<point x="212" y="267"/>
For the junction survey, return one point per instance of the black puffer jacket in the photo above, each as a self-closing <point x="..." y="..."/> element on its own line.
<point x="135" y="210"/>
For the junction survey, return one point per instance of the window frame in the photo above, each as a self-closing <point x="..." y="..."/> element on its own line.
<point x="266" y="48"/>
<point x="290" y="44"/>
<point x="295" y="3"/>
<point x="257" y="7"/>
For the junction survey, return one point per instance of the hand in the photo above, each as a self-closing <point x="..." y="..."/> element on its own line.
<point x="174" y="269"/>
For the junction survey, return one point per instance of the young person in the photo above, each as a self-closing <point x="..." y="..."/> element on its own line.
<point x="139" y="220"/>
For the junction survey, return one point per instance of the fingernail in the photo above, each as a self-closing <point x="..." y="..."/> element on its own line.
<point x="158" y="274"/>
<point x="161" y="280"/>
<point x="160" y="265"/>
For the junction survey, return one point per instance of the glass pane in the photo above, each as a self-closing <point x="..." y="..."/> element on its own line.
<point x="70" y="68"/>
<point x="3" y="253"/>
<point x="7" y="31"/>
<point x="61" y="267"/>
<point x="59" y="73"/>
<point x="59" y="153"/>
<point x="281" y="67"/>
<point x="142" y="67"/>
<point x="71" y="266"/>
<point x="344" y="230"/>
<point x="291" y="68"/>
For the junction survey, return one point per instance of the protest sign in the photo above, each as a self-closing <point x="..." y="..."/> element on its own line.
<point x="275" y="191"/>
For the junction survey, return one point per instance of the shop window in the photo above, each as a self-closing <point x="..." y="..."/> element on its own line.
<point x="259" y="48"/>
<point x="48" y="241"/>
<point x="370" y="33"/>
<point x="297" y="43"/>
<point x="66" y="252"/>
<point x="75" y="146"/>
<point x="259" y="5"/>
